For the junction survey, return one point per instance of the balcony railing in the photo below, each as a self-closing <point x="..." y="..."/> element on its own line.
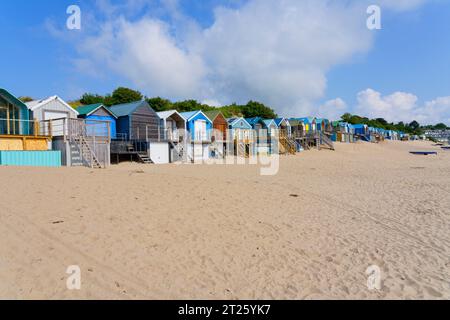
<point x="26" y="128"/>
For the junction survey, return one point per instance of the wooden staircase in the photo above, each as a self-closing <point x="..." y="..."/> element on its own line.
<point x="144" y="158"/>
<point x="288" y="144"/>
<point x="326" y="141"/>
<point x="86" y="155"/>
<point x="242" y="150"/>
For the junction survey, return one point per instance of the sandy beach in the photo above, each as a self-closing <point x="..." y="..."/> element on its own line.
<point x="226" y="232"/>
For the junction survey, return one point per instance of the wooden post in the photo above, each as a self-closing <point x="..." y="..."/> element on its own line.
<point x="50" y="128"/>
<point x="8" y="125"/>
<point x="36" y="127"/>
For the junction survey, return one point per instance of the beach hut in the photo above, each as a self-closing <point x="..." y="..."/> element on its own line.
<point x="139" y="134"/>
<point x="220" y="125"/>
<point x="287" y="143"/>
<point x="297" y="127"/>
<point x="54" y="110"/>
<point x="199" y="127"/>
<point x="23" y="141"/>
<point x="241" y="133"/>
<point x="320" y="124"/>
<point x="310" y="124"/>
<point x="261" y="131"/>
<point x="174" y="126"/>
<point x="99" y="116"/>
<point x="219" y="135"/>
<point x="284" y="126"/>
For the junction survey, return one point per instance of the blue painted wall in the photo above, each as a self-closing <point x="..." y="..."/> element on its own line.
<point x="191" y="124"/>
<point x="102" y="131"/>
<point x="123" y="126"/>
<point x="31" y="158"/>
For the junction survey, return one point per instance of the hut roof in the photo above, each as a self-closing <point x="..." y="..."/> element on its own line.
<point x="91" y="108"/>
<point x="126" y="109"/>
<point x="12" y="99"/>
<point x="279" y="121"/>
<point x="232" y="121"/>
<point x="255" y="120"/>
<point x="189" y="115"/>
<point x="36" y="104"/>
<point x="213" y="114"/>
<point x="269" y="122"/>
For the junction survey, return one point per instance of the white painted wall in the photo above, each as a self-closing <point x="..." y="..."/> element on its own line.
<point x="159" y="152"/>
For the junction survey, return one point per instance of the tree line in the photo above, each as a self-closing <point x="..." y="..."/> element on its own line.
<point x="125" y="95"/>
<point x="251" y="109"/>
<point x="413" y="127"/>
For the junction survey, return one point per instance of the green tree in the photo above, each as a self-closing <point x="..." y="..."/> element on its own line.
<point x="159" y="104"/>
<point x="123" y="95"/>
<point x="257" y="109"/>
<point x="90" y="98"/>
<point x="414" y="125"/>
<point x="26" y="99"/>
<point x="440" y="126"/>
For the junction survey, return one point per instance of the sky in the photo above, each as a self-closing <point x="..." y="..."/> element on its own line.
<point x="301" y="57"/>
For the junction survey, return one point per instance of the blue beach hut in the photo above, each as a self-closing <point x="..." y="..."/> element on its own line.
<point x="96" y="114"/>
<point x="199" y="128"/>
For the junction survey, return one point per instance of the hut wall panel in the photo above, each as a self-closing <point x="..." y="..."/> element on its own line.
<point x="31" y="158"/>
<point x="145" y="121"/>
<point x="53" y="106"/>
<point x="36" y="144"/>
<point x="11" y="144"/>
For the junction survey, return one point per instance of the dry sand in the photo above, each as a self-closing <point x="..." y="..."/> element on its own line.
<point x="225" y="232"/>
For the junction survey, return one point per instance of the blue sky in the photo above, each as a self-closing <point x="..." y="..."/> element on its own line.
<point x="243" y="51"/>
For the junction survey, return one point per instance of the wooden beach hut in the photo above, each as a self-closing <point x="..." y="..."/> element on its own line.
<point x="23" y="142"/>
<point x="261" y="145"/>
<point x="139" y="134"/>
<point x="219" y="135"/>
<point x="286" y="142"/>
<point x="174" y="126"/>
<point x="310" y="124"/>
<point x="199" y="127"/>
<point x="54" y="110"/>
<point x="98" y="114"/>
<point x="241" y="133"/>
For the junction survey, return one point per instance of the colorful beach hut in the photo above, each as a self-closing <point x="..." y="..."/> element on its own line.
<point x="241" y="132"/>
<point x="199" y="128"/>
<point x="262" y="132"/>
<point x="139" y="134"/>
<point x="174" y="127"/>
<point x="220" y="125"/>
<point x="310" y="124"/>
<point x="136" y="121"/>
<point x="99" y="119"/>
<point x="23" y="142"/>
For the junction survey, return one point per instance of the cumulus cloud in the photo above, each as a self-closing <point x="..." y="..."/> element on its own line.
<point x="395" y="107"/>
<point x="333" y="109"/>
<point x="274" y="51"/>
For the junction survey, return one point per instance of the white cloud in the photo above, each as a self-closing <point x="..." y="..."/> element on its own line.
<point x="274" y="51"/>
<point x="396" y="107"/>
<point x="277" y="52"/>
<point x="333" y="109"/>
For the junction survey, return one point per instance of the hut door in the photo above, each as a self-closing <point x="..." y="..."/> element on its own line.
<point x="200" y="130"/>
